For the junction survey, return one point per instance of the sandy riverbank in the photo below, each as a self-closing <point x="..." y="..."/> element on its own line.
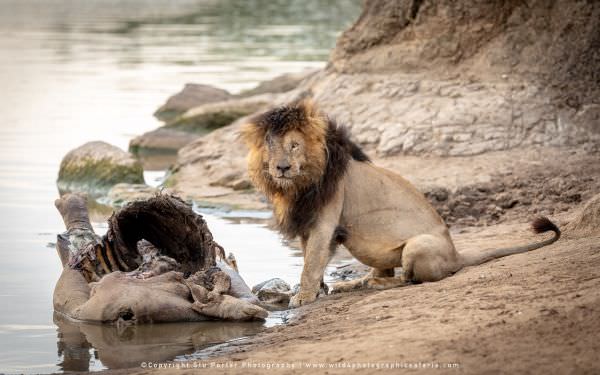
<point x="496" y="127"/>
<point x="531" y="313"/>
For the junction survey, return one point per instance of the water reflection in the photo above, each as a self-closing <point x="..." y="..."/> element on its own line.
<point x="231" y="44"/>
<point x="76" y="71"/>
<point x="92" y="347"/>
<point x="87" y="347"/>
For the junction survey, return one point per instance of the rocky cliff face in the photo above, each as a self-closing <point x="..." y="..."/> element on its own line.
<point x="437" y="79"/>
<point x="466" y="77"/>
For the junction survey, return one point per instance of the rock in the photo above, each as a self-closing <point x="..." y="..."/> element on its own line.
<point x="406" y="82"/>
<point x="412" y="78"/>
<point x="506" y="200"/>
<point x="295" y="289"/>
<point x="279" y="84"/>
<point x="193" y="124"/>
<point x="436" y="193"/>
<point x="207" y="117"/>
<point x="212" y="169"/>
<point x="207" y="168"/>
<point x="426" y="122"/>
<point x="587" y="222"/>
<point x="95" y="167"/>
<point x="234" y="181"/>
<point x="350" y="271"/>
<point x="191" y="96"/>
<point x="241" y="184"/>
<point x="123" y="193"/>
<point x="161" y="141"/>
<point x="273" y="292"/>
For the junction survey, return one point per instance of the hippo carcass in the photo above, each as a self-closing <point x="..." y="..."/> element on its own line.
<point x="158" y="262"/>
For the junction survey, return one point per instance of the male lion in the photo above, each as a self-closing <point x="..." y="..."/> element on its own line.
<point x="326" y="191"/>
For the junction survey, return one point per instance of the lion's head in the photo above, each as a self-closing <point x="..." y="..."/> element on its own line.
<point x="297" y="155"/>
<point x="287" y="148"/>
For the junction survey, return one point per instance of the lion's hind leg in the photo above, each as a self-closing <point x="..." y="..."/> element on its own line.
<point x="429" y="257"/>
<point x="375" y="279"/>
<point x="347" y="286"/>
<point x="381" y="283"/>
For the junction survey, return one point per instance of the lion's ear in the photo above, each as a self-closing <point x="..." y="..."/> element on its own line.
<point x="252" y="135"/>
<point x="317" y="121"/>
<point x="307" y="105"/>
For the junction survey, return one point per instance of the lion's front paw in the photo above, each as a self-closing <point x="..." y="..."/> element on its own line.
<point x="302" y="298"/>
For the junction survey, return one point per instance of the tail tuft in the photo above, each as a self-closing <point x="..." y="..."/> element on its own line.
<point x="543" y="224"/>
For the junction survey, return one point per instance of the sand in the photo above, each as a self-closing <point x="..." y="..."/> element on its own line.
<point x="537" y="312"/>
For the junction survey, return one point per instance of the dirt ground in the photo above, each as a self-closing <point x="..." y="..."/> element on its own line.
<point x="531" y="313"/>
<point x="537" y="312"/>
<point x="503" y="186"/>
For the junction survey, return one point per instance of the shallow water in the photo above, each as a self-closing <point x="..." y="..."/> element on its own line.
<point x="73" y="71"/>
<point x="92" y="347"/>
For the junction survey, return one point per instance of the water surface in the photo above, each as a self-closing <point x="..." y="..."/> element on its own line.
<point x="74" y="71"/>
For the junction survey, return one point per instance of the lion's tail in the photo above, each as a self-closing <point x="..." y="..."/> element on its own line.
<point x="539" y="225"/>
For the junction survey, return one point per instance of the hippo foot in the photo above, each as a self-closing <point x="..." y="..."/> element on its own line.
<point x="230" y="308"/>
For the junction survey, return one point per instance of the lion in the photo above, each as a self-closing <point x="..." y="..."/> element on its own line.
<point x="325" y="190"/>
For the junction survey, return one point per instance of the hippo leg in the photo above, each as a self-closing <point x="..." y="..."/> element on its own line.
<point x="222" y="306"/>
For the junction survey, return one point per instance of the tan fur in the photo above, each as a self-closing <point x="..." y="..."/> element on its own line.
<point x="389" y="223"/>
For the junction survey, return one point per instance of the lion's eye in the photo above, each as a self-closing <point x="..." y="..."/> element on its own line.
<point x="294" y="145"/>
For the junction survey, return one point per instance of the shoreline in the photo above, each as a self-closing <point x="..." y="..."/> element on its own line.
<point x="323" y="329"/>
<point x="491" y="303"/>
<point x="496" y="187"/>
<point x="500" y="318"/>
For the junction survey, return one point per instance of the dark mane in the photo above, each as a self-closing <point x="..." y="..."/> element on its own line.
<point x="281" y="120"/>
<point x="305" y="207"/>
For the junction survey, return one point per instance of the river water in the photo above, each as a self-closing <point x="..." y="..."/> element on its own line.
<point x="73" y="71"/>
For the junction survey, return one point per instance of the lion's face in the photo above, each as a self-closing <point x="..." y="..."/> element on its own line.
<point x="287" y="149"/>
<point x="286" y="158"/>
<point x="291" y="160"/>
